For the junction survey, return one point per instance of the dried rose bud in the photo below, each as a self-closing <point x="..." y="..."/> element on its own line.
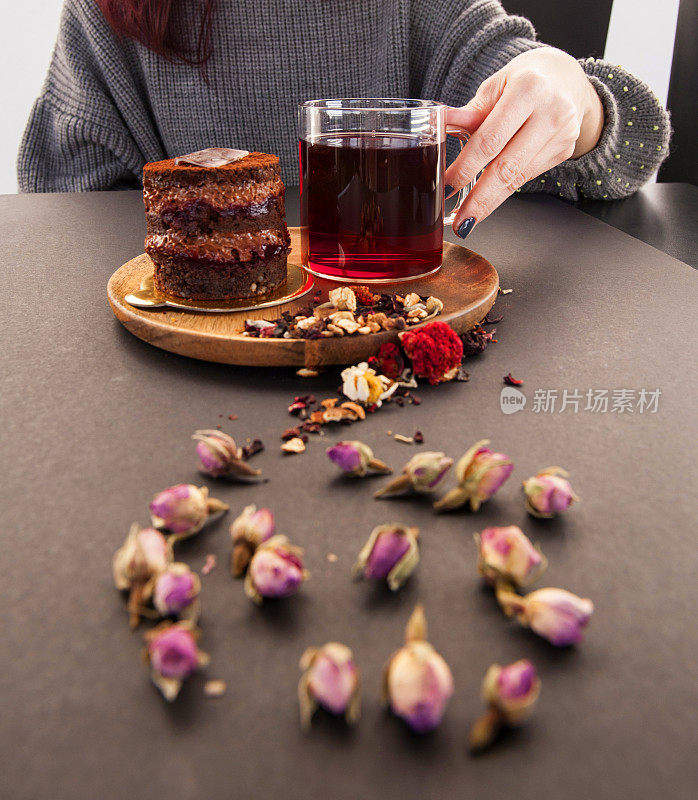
<point x="510" y="692"/>
<point x="555" y="614"/>
<point x="248" y="531"/>
<point x="220" y="456"/>
<point x="391" y="554"/>
<point x="173" y="655"/>
<point x="176" y="592"/>
<point x="355" y="458"/>
<point x="548" y="493"/>
<point x="330" y="680"/>
<point x="275" y="570"/>
<point x="417" y="682"/>
<point x="422" y="474"/>
<point x="480" y="473"/>
<point x="183" y="509"/>
<point x="507" y="553"/>
<point x="143" y="556"/>
<point x="362" y="384"/>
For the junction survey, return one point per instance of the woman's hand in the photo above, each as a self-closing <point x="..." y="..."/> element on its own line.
<point x="536" y="112"/>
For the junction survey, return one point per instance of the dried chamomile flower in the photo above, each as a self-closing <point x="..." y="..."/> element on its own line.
<point x="355" y="458"/>
<point x="275" y="570"/>
<point x="390" y="554"/>
<point x="183" y="509"/>
<point x="417" y="682"/>
<point x="422" y="474"/>
<point x="364" y="385"/>
<point x="248" y="531"/>
<point x="330" y="680"/>
<point x="220" y="456"/>
<point x="510" y="692"/>
<point x="142" y="557"/>
<point x="507" y="554"/>
<point x="549" y="493"/>
<point x="480" y="473"/>
<point x="173" y="654"/>
<point x="555" y="614"/>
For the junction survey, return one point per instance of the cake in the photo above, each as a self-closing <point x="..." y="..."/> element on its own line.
<point x="216" y="226"/>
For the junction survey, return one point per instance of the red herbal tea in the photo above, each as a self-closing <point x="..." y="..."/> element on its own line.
<point x="372" y="205"/>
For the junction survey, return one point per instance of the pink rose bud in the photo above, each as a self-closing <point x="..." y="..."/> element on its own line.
<point x="507" y="554"/>
<point x="355" y="458"/>
<point x="330" y="680"/>
<point x="391" y="554"/>
<point x="555" y="614"/>
<point x="549" y="493"/>
<point x="248" y="531"/>
<point x="220" y="456"/>
<point x="143" y="555"/>
<point x="510" y="692"/>
<point x="183" y="509"/>
<point x="173" y="654"/>
<point x="417" y="682"/>
<point x="480" y="473"/>
<point x="422" y="474"/>
<point x="275" y="570"/>
<point x="176" y="592"/>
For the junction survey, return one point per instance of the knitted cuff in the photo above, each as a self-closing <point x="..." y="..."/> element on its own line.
<point x="633" y="144"/>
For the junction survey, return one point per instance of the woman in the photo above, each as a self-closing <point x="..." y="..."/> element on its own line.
<point x="132" y="81"/>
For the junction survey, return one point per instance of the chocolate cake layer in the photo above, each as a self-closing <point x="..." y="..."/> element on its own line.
<point x="198" y="216"/>
<point x="222" y="248"/>
<point x="196" y="279"/>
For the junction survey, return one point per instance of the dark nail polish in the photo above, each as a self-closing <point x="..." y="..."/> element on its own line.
<point x="448" y="189"/>
<point x="465" y="227"/>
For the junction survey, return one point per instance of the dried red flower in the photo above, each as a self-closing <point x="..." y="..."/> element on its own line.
<point x="364" y="296"/>
<point x="435" y="351"/>
<point x="510" y="380"/>
<point x="388" y="361"/>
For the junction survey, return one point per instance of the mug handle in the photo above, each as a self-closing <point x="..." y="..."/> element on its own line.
<point x="463" y="136"/>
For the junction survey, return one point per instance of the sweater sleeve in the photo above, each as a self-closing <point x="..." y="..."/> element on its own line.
<point x="457" y="44"/>
<point x="79" y="137"/>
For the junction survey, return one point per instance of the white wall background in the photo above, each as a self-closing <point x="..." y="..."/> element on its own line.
<point x="640" y="38"/>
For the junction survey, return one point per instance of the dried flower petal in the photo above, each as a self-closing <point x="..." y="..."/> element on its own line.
<point x="549" y="493"/>
<point x="555" y="614"/>
<point x="417" y="682"/>
<point x="173" y="655"/>
<point x="183" y="509"/>
<point x="136" y="564"/>
<point x="388" y="361"/>
<point x="511" y="693"/>
<point x="276" y="570"/>
<point x="422" y="473"/>
<point x="510" y="380"/>
<point x="330" y="680"/>
<point x="176" y="592"/>
<point x="480" y="473"/>
<point x="355" y="458"/>
<point x="507" y="554"/>
<point x="293" y="446"/>
<point x="391" y="554"/>
<point x="220" y="456"/>
<point x="215" y="688"/>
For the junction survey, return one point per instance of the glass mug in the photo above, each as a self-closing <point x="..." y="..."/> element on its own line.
<point x="372" y="188"/>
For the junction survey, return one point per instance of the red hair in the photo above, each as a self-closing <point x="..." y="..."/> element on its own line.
<point x="151" y="22"/>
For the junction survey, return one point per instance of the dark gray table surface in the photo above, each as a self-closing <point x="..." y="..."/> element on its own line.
<point x="664" y="215"/>
<point x="94" y="422"/>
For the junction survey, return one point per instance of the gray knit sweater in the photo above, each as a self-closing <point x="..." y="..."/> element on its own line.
<point x="109" y="105"/>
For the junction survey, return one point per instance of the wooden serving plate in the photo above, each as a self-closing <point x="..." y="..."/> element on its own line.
<point x="467" y="285"/>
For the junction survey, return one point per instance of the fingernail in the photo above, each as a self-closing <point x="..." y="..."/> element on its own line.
<point x="448" y="189"/>
<point x="466" y="226"/>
